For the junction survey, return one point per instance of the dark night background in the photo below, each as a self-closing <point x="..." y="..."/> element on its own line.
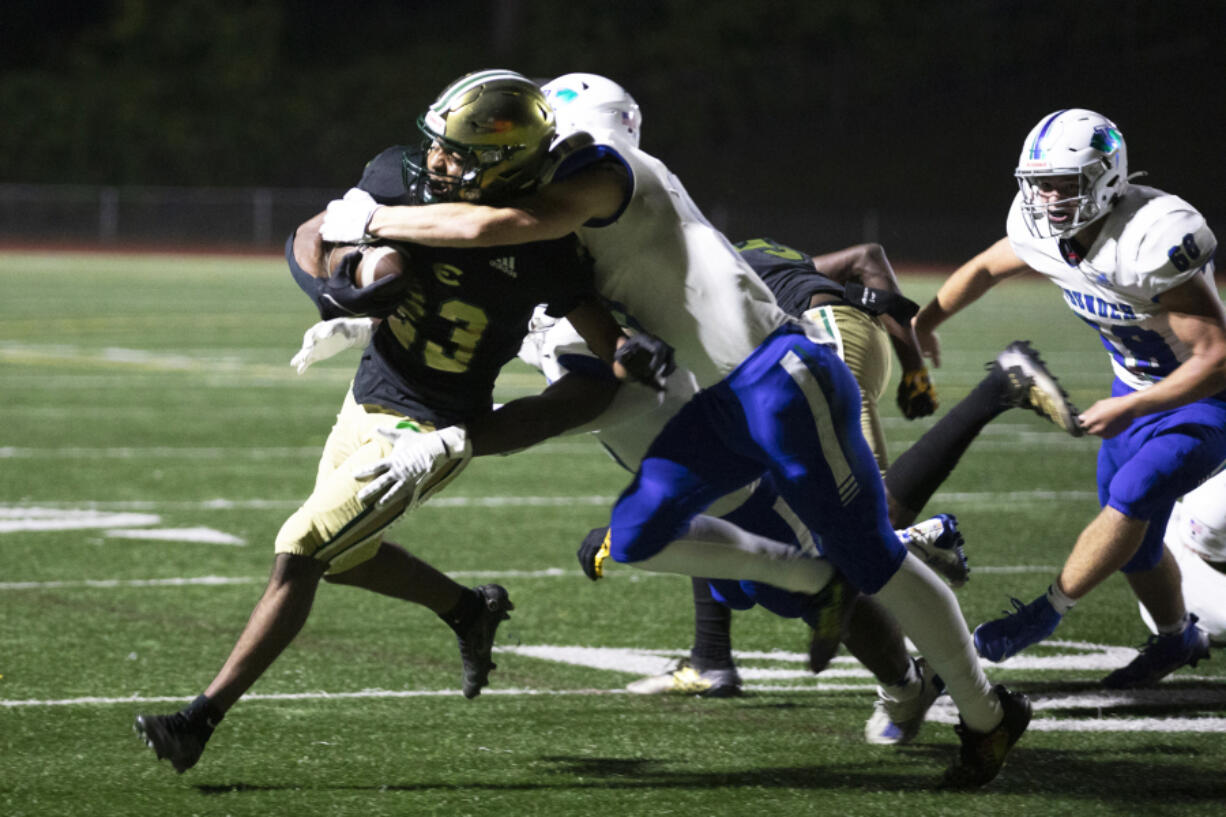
<point x="819" y="122"/>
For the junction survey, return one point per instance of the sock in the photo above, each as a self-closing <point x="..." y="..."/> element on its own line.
<point x="1057" y="598"/>
<point x="202" y="712"/>
<point x="720" y="550"/>
<point x="906" y="687"/>
<point x="919" y="471"/>
<point x="1175" y="629"/>
<point x="461" y="617"/>
<point x="929" y="614"/>
<point x="712" y="631"/>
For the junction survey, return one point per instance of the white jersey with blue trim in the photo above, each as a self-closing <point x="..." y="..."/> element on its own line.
<point x="634" y="419"/>
<point x="1150" y="242"/>
<point x="676" y="276"/>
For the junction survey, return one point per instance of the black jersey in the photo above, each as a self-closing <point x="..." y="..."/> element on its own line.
<point x="463" y="315"/>
<point x="789" y="273"/>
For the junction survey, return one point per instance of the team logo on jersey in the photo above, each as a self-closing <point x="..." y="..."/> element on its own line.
<point x="505" y="265"/>
<point x="447" y="274"/>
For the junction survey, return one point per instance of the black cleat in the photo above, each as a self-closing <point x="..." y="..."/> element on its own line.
<point x="477" y="643"/>
<point x="1032" y="386"/>
<point x="174" y="737"/>
<point x="827" y="617"/>
<point x="1162" y="655"/>
<point x="983" y="753"/>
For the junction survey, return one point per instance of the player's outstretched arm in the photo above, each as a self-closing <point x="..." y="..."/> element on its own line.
<point x="963" y="287"/>
<point x="553" y="211"/>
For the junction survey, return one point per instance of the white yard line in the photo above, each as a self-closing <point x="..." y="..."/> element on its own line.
<point x="984" y="498"/>
<point x="491" y="575"/>
<point x="943" y="712"/>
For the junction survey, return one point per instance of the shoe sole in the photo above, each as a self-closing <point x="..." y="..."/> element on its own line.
<point x="1045" y="396"/>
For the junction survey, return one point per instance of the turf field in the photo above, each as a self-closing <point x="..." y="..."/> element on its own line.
<point x="153" y="437"/>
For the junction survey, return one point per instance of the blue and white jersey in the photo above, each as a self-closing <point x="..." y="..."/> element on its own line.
<point x="672" y="273"/>
<point x="637" y="414"/>
<point x="1150" y="242"/>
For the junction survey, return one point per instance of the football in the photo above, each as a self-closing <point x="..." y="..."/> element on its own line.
<point x="377" y="263"/>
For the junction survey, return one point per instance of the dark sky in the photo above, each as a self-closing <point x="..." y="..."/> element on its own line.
<point x="783" y="117"/>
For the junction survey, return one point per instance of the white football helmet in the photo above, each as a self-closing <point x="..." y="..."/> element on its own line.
<point x="596" y="104"/>
<point x="1073" y="142"/>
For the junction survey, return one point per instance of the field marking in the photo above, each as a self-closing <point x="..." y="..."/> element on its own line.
<point x="211" y="363"/>
<point x="206" y="581"/>
<point x="157" y="452"/>
<point x="23" y="520"/>
<point x="542" y="573"/>
<point x="984" y="498"/>
<point x="1093" y="704"/>
<point x="124" y="525"/>
<point x="567" y="446"/>
<point x="197" y="535"/>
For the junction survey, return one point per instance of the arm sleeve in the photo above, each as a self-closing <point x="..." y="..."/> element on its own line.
<point x="308" y="283"/>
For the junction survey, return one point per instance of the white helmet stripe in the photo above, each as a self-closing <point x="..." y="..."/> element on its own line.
<point x="466" y="84"/>
<point x="1036" y="152"/>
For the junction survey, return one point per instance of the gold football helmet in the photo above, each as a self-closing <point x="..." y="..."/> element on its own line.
<point x="499" y="125"/>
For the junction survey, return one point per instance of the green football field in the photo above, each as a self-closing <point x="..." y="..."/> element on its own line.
<point x="153" y="437"/>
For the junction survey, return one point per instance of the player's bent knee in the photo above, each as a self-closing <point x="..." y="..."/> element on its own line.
<point x="643" y="522"/>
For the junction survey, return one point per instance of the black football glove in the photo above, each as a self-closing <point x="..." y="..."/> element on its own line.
<point x="647" y="359"/>
<point x="343" y="298"/>
<point x="917" y="397"/>
<point x="593" y="552"/>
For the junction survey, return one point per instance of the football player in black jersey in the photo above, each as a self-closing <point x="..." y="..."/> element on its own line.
<point x="450" y="319"/>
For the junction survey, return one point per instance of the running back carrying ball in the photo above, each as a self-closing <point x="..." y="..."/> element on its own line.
<point x="375" y="262"/>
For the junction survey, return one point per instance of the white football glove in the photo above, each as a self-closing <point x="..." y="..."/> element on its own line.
<point x="347" y="218"/>
<point x="416" y="455"/>
<point x="328" y="338"/>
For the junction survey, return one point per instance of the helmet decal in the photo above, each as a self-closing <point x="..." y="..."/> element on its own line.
<point x="1106" y="139"/>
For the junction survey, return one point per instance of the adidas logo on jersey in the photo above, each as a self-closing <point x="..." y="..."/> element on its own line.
<point x="506" y="264"/>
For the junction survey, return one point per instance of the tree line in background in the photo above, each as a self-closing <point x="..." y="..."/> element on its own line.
<point x="851" y="100"/>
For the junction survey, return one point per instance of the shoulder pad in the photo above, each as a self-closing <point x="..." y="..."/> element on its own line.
<point x="384" y="179"/>
<point x="1165" y="242"/>
<point x="563" y="150"/>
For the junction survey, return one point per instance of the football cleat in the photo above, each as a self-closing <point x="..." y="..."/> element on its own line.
<point x="895" y="722"/>
<point x="982" y="754"/>
<point x="827" y="616"/>
<point x="477" y="643"/>
<point x="685" y="679"/>
<point x="1162" y="655"/>
<point x="174" y="737"/>
<point x="1028" y="624"/>
<point x="937" y="542"/>
<point x="594" y="552"/>
<point x="1032" y="386"/>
